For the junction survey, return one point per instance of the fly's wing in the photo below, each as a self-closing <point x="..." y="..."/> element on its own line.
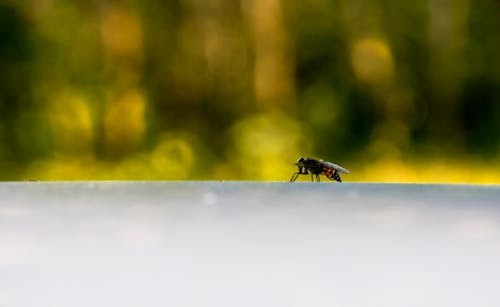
<point x="334" y="167"/>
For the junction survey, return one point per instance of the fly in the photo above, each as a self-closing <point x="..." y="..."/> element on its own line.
<point x="317" y="167"/>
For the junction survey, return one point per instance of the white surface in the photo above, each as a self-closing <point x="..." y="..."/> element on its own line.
<point x="248" y="244"/>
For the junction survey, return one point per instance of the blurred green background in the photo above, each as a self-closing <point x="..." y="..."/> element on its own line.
<point x="239" y="89"/>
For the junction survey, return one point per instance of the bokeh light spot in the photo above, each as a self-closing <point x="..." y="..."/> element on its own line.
<point x="173" y="158"/>
<point x="121" y="32"/>
<point x="71" y="123"/>
<point x="125" y="120"/>
<point x="266" y="145"/>
<point x="372" y="61"/>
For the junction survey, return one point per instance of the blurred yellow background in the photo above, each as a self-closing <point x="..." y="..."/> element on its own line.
<point x="239" y="89"/>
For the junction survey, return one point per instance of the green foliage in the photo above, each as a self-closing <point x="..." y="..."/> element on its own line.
<point x="239" y="89"/>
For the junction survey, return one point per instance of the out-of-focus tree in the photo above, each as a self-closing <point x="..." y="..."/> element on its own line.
<point x="190" y="89"/>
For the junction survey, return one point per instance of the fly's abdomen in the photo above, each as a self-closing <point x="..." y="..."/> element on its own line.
<point x="336" y="176"/>
<point x="332" y="174"/>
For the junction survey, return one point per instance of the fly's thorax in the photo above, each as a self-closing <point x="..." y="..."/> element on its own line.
<point x="313" y="165"/>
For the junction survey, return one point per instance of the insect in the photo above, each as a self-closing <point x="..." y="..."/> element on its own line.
<point x="318" y="167"/>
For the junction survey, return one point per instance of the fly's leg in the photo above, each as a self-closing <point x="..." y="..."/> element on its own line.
<point x="317" y="178"/>
<point x="302" y="171"/>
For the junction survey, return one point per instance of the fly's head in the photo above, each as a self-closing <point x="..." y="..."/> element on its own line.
<point x="301" y="165"/>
